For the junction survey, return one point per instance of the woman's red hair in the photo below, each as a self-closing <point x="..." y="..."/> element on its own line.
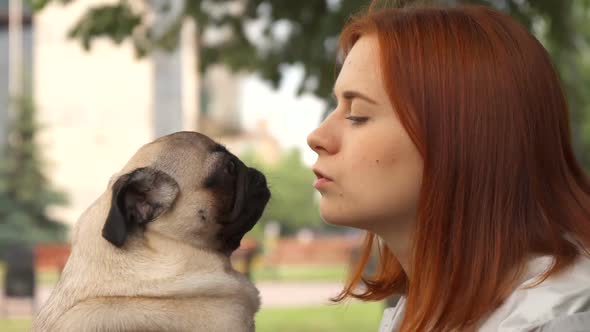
<point x="480" y="99"/>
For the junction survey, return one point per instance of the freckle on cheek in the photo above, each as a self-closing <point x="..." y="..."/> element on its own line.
<point x="377" y="161"/>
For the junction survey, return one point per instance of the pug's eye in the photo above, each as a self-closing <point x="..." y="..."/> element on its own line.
<point x="230" y="167"/>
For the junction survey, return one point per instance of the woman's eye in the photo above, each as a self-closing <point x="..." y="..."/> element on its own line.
<point x="357" y="119"/>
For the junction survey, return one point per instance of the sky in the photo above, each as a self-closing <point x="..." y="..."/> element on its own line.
<point x="290" y="118"/>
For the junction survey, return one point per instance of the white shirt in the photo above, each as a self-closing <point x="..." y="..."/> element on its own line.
<point x="560" y="303"/>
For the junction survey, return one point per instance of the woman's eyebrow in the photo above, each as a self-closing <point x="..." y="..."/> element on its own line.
<point x="351" y="94"/>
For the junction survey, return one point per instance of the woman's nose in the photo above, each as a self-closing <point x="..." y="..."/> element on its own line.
<point x="322" y="140"/>
<point x="313" y="140"/>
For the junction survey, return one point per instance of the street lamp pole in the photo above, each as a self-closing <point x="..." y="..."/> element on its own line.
<point x="15" y="66"/>
<point x="15" y="49"/>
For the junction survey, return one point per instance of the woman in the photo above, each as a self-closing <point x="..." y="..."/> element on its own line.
<point x="450" y="146"/>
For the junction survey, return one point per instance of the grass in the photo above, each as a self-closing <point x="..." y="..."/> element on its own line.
<point x="334" y="273"/>
<point x="47" y="277"/>
<point x="15" y="325"/>
<point x="343" y="318"/>
<point x="295" y="273"/>
<point x="280" y="273"/>
<point x="352" y="317"/>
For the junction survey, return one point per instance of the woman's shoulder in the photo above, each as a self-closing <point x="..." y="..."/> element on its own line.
<point x="559" y="296"/>
<point x="560" y="303"/>
<point x="392" y="317"/>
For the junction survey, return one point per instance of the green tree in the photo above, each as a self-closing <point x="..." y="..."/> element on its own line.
<point x="311" y="30"/>
<point x="25" y="192"/>
<point x="293" y="204"/>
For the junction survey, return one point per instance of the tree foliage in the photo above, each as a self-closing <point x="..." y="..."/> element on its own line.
<point x="25" y="193"/>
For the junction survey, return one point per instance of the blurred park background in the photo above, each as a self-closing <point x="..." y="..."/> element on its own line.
<point x="84" y="83"/>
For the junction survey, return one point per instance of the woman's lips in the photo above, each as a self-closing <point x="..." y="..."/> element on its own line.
<point x="321" y="180"/>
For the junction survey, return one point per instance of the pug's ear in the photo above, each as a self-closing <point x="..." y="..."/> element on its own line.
<point x="138" y="198"/>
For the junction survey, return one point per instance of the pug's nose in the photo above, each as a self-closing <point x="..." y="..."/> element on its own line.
<point x="257" y="182"/>
<point x="257" y="178"/>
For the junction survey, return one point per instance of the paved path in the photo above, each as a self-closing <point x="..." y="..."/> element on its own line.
<point x="273" y="294"/>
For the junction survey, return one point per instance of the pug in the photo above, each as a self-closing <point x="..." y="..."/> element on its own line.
<point x="152" y="252"/>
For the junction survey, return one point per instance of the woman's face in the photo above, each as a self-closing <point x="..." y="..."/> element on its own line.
<point x="369" y="171"/>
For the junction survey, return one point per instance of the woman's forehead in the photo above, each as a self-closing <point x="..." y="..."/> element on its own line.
<point x="361" y="68"/>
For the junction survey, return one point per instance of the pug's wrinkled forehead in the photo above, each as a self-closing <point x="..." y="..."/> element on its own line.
<point x="189" y="156"/>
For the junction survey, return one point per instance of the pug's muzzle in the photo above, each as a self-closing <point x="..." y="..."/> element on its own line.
<point x="247" y="190"/>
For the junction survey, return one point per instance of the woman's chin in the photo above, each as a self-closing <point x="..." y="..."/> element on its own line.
<point x="339" y="219"/>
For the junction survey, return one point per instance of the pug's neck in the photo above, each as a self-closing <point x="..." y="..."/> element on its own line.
<point x="160" y="246"/>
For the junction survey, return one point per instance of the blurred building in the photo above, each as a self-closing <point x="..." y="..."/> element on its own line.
<point x="220" y="119"/>
<point x="220" y="95"/>
<point x="259" y="141"/>
<point x="97" y="108"/>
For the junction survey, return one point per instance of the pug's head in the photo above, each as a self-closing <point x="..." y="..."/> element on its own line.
<point x="188" y="188"/>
